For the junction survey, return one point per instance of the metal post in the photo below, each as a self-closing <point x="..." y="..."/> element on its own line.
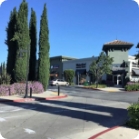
<point x="30" y="92"/>
<point x="58" y="90"/>
<point x="78" y="78"/>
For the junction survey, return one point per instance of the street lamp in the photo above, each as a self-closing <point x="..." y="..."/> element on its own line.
<point x="21" y="51"/>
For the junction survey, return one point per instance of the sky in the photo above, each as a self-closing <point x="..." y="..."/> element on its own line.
<point x="79" y="28"/>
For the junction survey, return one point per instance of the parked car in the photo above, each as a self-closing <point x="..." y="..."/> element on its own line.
<point x="58" y="82"/>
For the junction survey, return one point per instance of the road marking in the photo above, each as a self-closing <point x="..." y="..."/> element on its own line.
<point x="29" y="131"/>
<point x="2" y="111"/>
<point x="2" y="120"/>
<point x="16" y="110"/>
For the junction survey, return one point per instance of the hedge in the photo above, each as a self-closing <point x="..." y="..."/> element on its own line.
<point x="19" y="88"/>
<point x="133" y="113"/>
<point x="132" y="87"/>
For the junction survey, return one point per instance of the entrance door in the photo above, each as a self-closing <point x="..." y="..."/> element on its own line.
<point x="117" y="79"/>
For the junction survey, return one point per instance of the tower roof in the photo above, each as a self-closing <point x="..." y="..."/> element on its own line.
<point x="117" y="44"/>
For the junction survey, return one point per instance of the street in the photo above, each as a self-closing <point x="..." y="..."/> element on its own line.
<point x="82" y="114"/>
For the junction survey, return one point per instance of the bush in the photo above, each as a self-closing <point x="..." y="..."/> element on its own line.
<point x="19" y="88"/>
<point x="99" y="86"/>
<point x="69" y="75"/>
<point x="132" y="87"/>
<point x="6" y="90"/>
<point x="133" y="113"/>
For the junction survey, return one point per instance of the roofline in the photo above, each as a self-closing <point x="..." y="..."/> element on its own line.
<point x="66" y="57"/>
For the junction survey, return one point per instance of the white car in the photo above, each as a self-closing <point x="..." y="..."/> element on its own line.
<point x="59" y="82"/>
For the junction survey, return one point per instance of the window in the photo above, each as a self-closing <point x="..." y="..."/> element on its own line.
<point x="82" y="65"/>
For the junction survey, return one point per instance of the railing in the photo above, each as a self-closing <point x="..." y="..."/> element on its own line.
<point x="137" y="66"/>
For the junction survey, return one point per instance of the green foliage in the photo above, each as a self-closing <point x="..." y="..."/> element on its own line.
<point x="4" y="77"/>
<point x="101" y="66"/>
<point x="10" y="31"/>
<point x="44" y="61"/>
<point x="133" y="113"/>
<point x="22" y="40"/>
<point x="94" y="86"/>
<point x="69" y="75"/>
<point x="33" y="37"/>
<point x="132" y="87"/>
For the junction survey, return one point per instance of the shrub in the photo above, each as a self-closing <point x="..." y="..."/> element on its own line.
<point x="37" y="87"/>
<point x="132" y="87"/>
<point x="19" y="88"/>
<point x="94" y="86"/>
<point x="69" y="75"/>
<point x="6" y="90"/>
<point x="133" y="113"/>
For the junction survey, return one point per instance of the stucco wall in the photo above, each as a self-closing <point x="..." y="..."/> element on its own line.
<point x="118" y="56"/>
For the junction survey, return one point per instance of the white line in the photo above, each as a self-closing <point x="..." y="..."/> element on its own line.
<point x="16" y="110"/>
<point x="2" y="120"/>
<point x="29" y="131"/>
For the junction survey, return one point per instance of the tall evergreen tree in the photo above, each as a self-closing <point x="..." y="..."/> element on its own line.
<point x="44" y="61"/>
<point x="10" y="30"/>
<point x="23" y="41"/>
<point x="33" y="45"/>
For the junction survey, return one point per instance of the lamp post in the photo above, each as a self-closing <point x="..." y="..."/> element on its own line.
<point x="27" y="67"/>
<point x="78" y="78"/>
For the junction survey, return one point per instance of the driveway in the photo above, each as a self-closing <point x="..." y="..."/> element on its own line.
<point x="70" y="118"/>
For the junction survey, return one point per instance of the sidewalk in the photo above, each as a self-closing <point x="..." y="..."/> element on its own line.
<point x="47" y="95"/>
<point x="112" y="89"/>
<point x="119" y="132"/>
<point x="107" y="89"/>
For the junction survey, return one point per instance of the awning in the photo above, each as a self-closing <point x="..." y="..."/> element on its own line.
<point x="136" y="71"/>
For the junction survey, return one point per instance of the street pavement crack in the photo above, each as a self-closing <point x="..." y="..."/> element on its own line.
<point x="21" y="123"/>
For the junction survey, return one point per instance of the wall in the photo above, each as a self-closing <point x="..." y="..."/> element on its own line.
<point x="119" y="56"/>
<point x="130" y="60"/>
<point x="72" y="64"/>
<point x="57" y="62"/>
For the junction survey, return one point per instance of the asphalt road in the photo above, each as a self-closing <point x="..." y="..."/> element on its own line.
<point x="129" y="97"/>
<point x="81" y="115"/>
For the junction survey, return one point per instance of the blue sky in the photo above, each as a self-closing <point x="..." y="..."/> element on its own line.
<point x="79" y="28"/>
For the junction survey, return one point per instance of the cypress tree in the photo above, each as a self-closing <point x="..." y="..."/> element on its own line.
<point x="33" y="38"/>
<point x="44" y="62"/>
<point x="10" y="30"/>
<point x="23" y="41"/>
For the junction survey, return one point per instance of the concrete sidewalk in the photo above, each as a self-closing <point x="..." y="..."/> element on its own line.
<point x="119" y="132"/>
<point x="112" y="89"/>
<point x="107" y="89"/>
<point x="47" y="95"/>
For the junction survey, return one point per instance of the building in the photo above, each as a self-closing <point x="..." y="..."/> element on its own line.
<point x="123" y="66"/>
<point x="56" y="66"/>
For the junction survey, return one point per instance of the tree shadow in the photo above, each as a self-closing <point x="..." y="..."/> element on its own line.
<point x="102" y="115"/>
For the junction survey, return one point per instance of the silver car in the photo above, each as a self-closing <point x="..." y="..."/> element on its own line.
<point x="59" y="82"/>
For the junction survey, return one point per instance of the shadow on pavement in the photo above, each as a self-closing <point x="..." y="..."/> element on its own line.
<point x="102" y="115"/>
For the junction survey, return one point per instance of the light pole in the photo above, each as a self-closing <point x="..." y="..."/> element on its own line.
<point x="27" y="67"/>
<point x="78" y="78"/>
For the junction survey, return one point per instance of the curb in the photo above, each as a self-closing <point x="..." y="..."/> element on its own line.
<point x="103" y="132"/>
<point x="33" y="99"/>
<point x="90" y="88"/>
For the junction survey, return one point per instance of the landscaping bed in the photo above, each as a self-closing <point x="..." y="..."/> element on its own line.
<point x="19" y="88"/>
<point x="130" y="87"/>
<point x="93" y="86"/>
<point x="133" y="115"/>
